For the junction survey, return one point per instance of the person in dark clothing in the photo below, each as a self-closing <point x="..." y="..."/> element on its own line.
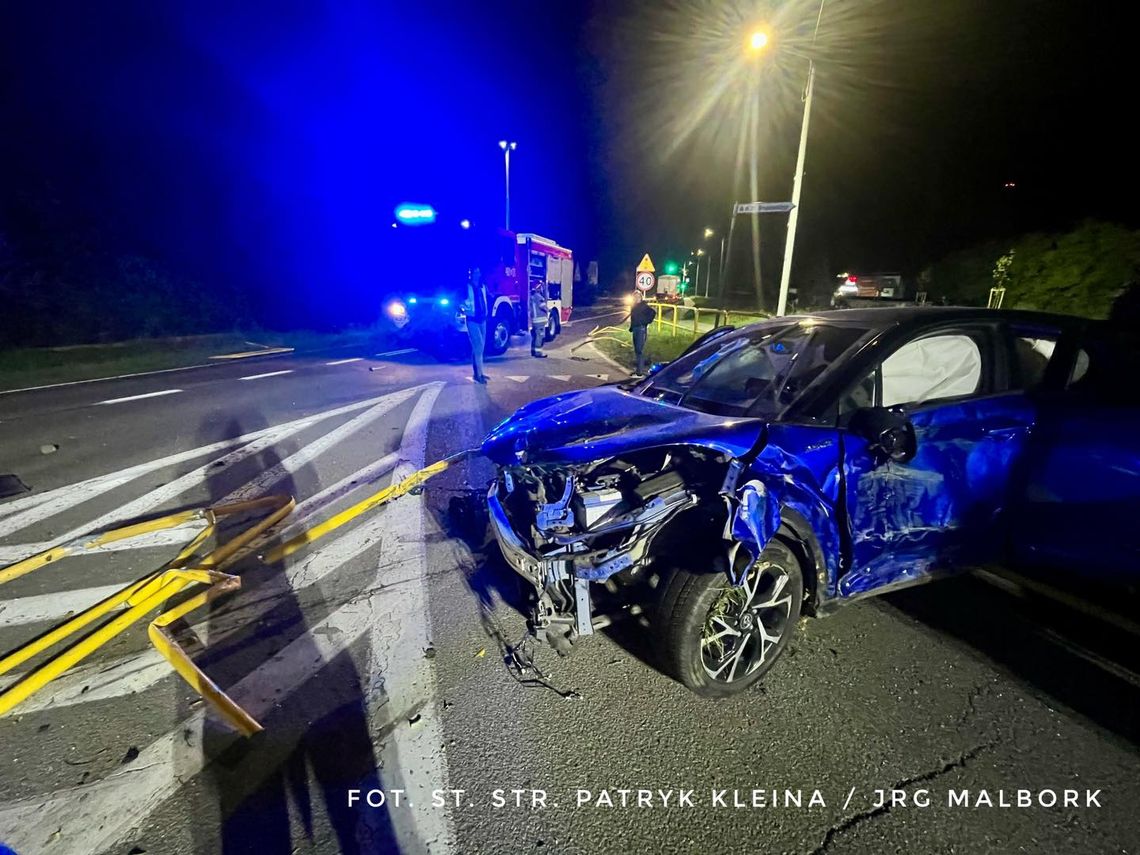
<point x="475" y="308"/>
<point x="539" y="315"/>
<point x="640" y="318"/>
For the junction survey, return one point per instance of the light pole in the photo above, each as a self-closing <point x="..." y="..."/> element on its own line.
<point x="507" y="148"/>
<point x="708" y="233"/>
<point x="797" y="183"/>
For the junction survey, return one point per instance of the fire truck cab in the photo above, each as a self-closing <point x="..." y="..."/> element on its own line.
<point x="528" y="259"/>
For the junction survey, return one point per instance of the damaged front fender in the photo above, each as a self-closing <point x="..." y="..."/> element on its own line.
<point x="796" y="493"/>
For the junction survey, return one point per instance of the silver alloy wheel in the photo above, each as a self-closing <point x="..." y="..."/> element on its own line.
<point x="745" y="623"/>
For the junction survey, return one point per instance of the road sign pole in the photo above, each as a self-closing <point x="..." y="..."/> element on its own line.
<point x="797" y="185"/>
<point x="726" y="251"/>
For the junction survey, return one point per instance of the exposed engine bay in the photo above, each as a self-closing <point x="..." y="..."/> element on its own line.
<point x="564" y="526"/>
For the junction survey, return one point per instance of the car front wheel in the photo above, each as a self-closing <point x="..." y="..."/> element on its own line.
<point x="719" y="639"/>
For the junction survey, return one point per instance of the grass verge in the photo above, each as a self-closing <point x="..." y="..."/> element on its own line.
<point x="659" y="346"/>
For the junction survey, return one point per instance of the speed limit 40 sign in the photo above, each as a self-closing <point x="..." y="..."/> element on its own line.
<point x="646" y="281"/>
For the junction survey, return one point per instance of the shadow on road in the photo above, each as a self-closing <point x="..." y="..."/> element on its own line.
<point x="316" y="744"/>
<point x="1076" y="661"/>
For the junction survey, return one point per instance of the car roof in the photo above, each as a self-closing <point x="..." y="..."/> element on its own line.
<point x="884" y="317"/>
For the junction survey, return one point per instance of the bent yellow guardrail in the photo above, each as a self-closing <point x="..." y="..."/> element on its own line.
<point x="142" y="597"/>
<point x="383" y="496"/>
<point x="148" y="593"/>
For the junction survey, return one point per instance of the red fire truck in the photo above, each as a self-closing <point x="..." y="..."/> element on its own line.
<point x="430" y="284"/>
<point x="535" y="260"/>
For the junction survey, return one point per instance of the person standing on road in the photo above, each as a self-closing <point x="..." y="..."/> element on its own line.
<point x="539" y="314"/>
<point x="640" y="317"/>
<point x="476" y="310"/>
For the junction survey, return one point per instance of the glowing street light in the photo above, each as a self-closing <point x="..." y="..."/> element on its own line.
<point x="709" y="233"/>
<point x="507" y="148"/>
<point x="758" y="40"/>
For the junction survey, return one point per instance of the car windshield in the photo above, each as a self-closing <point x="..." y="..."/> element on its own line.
<point x="758" y="371"/>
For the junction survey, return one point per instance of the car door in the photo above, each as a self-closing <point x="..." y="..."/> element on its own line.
<point x="906" y="520"/>
<point x="1077" y="507"/>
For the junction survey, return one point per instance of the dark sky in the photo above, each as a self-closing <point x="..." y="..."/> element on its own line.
<point x="266" y="144"/>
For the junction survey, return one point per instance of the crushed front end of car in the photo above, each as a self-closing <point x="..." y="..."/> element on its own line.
<point x="607" y="489"/>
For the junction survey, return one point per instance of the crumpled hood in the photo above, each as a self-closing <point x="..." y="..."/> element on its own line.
<point x="595" y="424"/>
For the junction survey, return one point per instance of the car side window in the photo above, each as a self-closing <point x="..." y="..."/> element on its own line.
<point x="1102" y="370"/>
<point x="1032" y="355"/>
<point x="930" y="369"/>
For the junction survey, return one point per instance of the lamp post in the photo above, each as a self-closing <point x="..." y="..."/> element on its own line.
<point x="756" y="43"/>
<point x="507" y="148"/>
<point x="708" y="268"/>
<point x="797" y="183"/>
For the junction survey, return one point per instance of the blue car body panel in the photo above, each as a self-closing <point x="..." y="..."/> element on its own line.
<point x="1079" y="506"/>
<point x="907" y="520"/>
<point x="594" y="424"/>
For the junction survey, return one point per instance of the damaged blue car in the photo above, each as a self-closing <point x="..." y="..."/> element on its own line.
<point x="788" y="467"/>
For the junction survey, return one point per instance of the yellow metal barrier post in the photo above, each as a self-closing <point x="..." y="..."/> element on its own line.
<point x="143" y="596"/>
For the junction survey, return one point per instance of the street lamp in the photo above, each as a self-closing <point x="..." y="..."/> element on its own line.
<point x="507" y="148"/>
<point x="758" y="40"/>
<point x="697" y="280"/>
<point x="797" y="183"/>
<point x="708" y="269"/>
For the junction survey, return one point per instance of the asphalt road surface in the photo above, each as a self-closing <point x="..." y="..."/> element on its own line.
<point x="376" y="660"/>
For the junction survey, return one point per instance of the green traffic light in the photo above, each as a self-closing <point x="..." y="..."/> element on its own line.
<point x="671" y="267"/>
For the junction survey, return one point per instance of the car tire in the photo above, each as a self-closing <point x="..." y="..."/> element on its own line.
<point x="697" y="607"/>
<point x="499" y="333"/>
<point x="553" y="326"/>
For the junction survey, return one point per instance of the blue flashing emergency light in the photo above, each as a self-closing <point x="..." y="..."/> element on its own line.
<point x="415" y="215"/>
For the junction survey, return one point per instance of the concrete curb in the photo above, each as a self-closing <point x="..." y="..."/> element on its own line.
<point x="597" y="353"/>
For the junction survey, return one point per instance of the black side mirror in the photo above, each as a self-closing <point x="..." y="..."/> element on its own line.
<point x="889" y="433"/>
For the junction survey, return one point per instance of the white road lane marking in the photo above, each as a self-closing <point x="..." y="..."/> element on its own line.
<point x="599" y="376"/>
<point x="565" y="378"/>
<point x="345" y="361"/>
<point x="64" y="498"/>
<point x="263" y="482"/>
<point x="54" y="606"/>
<point x="517" y="379"/>
<point x="102" y="379"/>
<point x="138" y="671"/>
<point x="137" y="397"/>
<point x="267" y="374"/>
<point x="397" y="664"/>
<point x="95" y="816"/>
<point x="399" y="352"/>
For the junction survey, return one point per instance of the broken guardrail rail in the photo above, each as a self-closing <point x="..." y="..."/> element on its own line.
<point x="138" y="599"/>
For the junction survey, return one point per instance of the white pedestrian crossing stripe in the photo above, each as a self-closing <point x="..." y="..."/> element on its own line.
<point x="599" y="376"/>
<point x="517" y="379"/>
<point x="97" y="815"/>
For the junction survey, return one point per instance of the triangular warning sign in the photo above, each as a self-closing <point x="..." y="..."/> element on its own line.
<point x="646" y="265"/>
